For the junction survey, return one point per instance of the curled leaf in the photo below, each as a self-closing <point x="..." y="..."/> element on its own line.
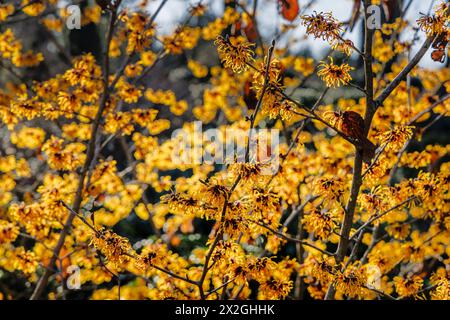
<point x="289" y="9"/>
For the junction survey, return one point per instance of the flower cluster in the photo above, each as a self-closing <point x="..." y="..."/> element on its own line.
<point x="351" y="203"/>
<point x="334" y="75"/>
<point x="234" y="52"/>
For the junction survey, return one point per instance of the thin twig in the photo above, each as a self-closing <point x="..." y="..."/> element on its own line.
<point x="42" y="283"/>
<point x="379" y="216"/>
<point x="290" y="238"/>
<point x="406" y="70"/>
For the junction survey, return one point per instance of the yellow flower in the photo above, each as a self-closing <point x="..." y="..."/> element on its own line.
<point x="334" y="75"/>
<point x="8" y="232"/>
<point x="304" y="65"/>
<point x="133" y="70"/>
<point x="325" y="26"/>
<point x="396" y="138"/>
<point x="128" y="92"/>
<point x="68" y="102"/>
<point x="158" y="126"/>
<point x="398" y="231"/>
<point x="25" y="107"/>
<point x="6" y="10"/>
<point x="138" y="41"/>
<point x="198" y="70"/>
<point x="144" y="116"/>
<point x="148" y="58"/>
<point x="33" y="8"/>
<point x="350" y="282"/>
<point x="183" y="38"/>
<point x="62" y="157"/>
<point x="235" y="52"/>
<point x="119" y="121"/>
<point x="91" y="14"/>
<point x="408" y="287"/>
<point x="116" y="248"/>
<point x="9" y="45"/>
<point x="182" y="204"/>
<point x="274" y="289"/>
<point x="332" y="188"/>
<point x="27" y="137"/>
<point x="250" y="172"/>
<point x="84" y="70"/>
<point x="53" y="24"/>
<point x="27" y="59"/>
<point x="320" y="222"/>
<point x="440" y="279"/>
<point x="433" y="25"/>
<point x="322" y="25"/>
<point x="25" y="261"/>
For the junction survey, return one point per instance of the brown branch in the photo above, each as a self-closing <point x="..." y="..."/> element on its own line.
<point x="211" y="250"/>
<point x="358" y="161"/>
<point x="102" y="263"/>
<point x="413" y="121"/>
<point x="220" y="287"/>
<point x="421" y="291"/>
<point x="238" y="179"/>
<point x="42" y="283"/>
<point x="315" y="116"/>
<point x="129" y="57"/>
<point x="402" y="75"/>
<point x="259" y="103"/>
<point x="298" y="210"/>
<point x="379" y="292"/>
<point x="374" y="162"/>
<point x="429" y="109"/>
<point x="289" y="237"/>
<point x="174" y="275"/>
<point x="379" y="216"/>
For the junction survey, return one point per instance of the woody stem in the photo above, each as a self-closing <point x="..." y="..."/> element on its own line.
<point x="358" y="161"/>
<point x="42" y="283"/>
